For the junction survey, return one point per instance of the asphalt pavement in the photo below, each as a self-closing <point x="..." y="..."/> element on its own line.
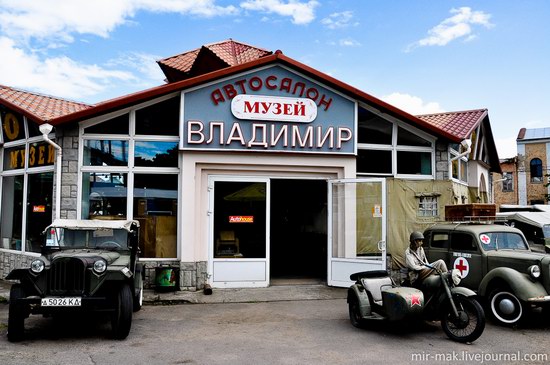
<point x="273" y="293"/>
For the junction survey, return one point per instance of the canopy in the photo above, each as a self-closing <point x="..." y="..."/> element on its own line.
<point x="539" y="219"/>
<point x="90" y="224"/>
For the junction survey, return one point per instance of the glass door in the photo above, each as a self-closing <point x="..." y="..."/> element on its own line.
<point x="357" y="228"/>
<point x="239" y="233"/>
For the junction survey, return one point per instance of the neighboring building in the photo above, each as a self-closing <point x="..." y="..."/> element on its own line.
<point x="245" y="167"/>
<point x="533" y="147"/>
<point x="505" y="185"/>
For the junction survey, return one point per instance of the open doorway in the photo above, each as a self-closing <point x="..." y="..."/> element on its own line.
<point x="298" y="252"/>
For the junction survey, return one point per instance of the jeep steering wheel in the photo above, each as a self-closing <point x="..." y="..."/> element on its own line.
<point x="109" y="244"/>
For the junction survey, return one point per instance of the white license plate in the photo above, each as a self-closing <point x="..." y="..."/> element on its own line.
<point x="62" y="302"/>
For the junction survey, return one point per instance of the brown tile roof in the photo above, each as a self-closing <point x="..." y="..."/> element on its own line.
<point x="38" y="107"/>
<point x="459" y="124"/>
<point x="226" y="53"/>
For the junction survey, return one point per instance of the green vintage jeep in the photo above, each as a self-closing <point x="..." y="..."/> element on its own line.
<point x="86" y="265"/>
<point x="496" y="261"/>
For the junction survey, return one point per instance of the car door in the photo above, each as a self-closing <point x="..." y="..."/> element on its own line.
<point x="466" y="257"/>
<point x="436" y="245"/>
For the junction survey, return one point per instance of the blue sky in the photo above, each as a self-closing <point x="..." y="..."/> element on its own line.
<point x="423" y="56"/>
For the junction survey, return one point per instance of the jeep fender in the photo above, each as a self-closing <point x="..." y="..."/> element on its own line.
<point x="358" y="291"/>
<point x="521" y="284"/>
<point x="17" y="274"/>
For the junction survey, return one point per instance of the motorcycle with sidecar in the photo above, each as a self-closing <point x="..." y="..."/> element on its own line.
<point x="376" y="297"/>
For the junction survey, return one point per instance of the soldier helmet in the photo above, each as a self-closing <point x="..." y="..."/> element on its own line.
<point x="416" y="236"/>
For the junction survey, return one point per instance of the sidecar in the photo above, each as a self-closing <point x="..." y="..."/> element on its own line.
<point x="374" y="296"/>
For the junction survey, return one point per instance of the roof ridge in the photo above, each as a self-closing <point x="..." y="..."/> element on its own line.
<point x="454" y="112"/>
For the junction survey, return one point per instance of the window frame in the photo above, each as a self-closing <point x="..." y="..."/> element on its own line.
<point x="131" y="169"/>
<point x="394" y="148"/>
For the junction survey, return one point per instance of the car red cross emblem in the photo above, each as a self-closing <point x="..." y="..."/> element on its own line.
<point x="462" y="265"/>
<point x="485" y="239"/>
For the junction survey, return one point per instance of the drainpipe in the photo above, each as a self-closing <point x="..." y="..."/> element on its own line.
<point x="467" y="144"/>
<point x="45" y="129"/>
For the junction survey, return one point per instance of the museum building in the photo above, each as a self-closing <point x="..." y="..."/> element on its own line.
<point x="244" y="168"/>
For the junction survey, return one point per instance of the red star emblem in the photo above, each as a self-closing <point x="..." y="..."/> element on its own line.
<point x="415" y="300"/>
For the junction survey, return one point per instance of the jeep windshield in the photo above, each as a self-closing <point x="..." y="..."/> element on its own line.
<point x="83" y="233"/>
<point x="66" y="238"/>
<point x="492" y="241"/>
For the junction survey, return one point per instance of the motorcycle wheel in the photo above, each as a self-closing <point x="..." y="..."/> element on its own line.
<point x="355" y="314"/>
<point x="470" y="322"/>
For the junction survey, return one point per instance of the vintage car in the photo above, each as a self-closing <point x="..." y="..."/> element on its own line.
<point x="86" y="265"/>
<point x="496" y="261"/>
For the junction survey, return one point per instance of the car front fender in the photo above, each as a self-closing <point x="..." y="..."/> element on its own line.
<point x="18" y="274"/>
<point x="521" y="284"/>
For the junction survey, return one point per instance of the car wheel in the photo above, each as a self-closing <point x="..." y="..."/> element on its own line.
<point x="138" y="292"/>
<point x="505" y="307"/>
<point x="354" y="313"/>
<point x="121" y="320"/>
<point x="16" y="318"/>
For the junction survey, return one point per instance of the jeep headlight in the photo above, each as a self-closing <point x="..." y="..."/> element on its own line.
<point x="37" y="266"/>
<point x="100" y="266"/>
<point x="534" y="271"/>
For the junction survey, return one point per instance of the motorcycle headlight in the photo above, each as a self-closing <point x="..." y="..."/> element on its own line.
<point x="534" y="271"/>
<point x="100" y="266"/>
<point x="37" y="266"/>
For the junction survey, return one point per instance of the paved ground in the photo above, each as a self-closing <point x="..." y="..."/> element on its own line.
<point x="273" y="293"/>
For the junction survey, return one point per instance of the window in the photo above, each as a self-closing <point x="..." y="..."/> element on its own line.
<point x="427" y="206"/>
<point x="536" y="170"/>
<point x="459" y="165"/>
<point x="462" y="242"/>
<point x="27" y="184"/>
<point x="440" y="240"/>
<point x="131" y="171"/>
<point x="508" y="184"/>
<point x="386" y="148"/>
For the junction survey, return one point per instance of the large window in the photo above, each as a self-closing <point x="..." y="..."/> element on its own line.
<point x="536" y="170"/>
<point x="386" y="148"/>
<point x="130" y="171"/>
<point x="27" y="183"/>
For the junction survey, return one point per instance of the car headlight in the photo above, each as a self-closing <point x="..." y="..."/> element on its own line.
<point x="534" y="271"/>
<point x="100" y="266"/>
<point x="37" y="266"/>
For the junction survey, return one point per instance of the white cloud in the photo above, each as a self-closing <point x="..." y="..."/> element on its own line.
<point x="301" y="13"/>
<point x="412" y="104"/>
<point x="58" y="76"/>
<point x="60" y="19"/>
<point x="457" y="26"/>
<point x="348" y="42"/>
<point x="339" y="20"/>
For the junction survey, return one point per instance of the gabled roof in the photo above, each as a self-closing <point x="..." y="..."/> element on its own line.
<point x="208" y="58"/>
<point x="460" y="124"/>
<point x="38" y="107"/>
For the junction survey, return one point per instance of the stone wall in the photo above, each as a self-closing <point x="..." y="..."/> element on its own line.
<point x="11" y="260"/>
<point x="441" y="161"/>
<point x="191" y="275"/>
<point x="67" y="138"/>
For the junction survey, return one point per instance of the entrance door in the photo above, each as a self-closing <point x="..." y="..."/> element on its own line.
<point x="239" y="233"/>
<point x="357" y="228"/>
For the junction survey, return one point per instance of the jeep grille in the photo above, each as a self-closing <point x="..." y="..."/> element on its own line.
<point x="67" y="277"/>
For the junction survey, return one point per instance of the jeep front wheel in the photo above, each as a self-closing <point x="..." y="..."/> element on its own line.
<point x="505" y="307"/>
<point x="16" y="318"/>
<point x="121" y="320"/>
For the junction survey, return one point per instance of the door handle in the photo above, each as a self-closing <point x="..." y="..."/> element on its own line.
<point x="381" y="245"/>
